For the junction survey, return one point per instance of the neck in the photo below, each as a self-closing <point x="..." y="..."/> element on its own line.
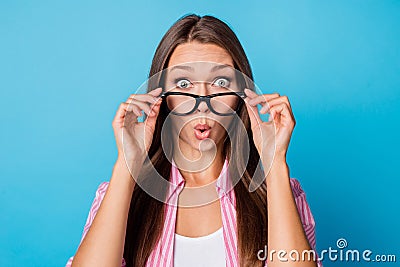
<point x="199" y="168"/>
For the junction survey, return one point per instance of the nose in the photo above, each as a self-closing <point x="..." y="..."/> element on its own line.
<point x="203" y="107"/>
<point x="202" y="90"/>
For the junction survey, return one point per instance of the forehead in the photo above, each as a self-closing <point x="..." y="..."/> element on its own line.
<point x="195" y="51"/>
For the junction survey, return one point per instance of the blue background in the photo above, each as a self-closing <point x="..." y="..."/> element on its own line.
<point x="66" y="66"/>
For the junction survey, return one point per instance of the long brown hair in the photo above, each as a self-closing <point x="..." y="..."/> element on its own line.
<point x="146" y="214"/>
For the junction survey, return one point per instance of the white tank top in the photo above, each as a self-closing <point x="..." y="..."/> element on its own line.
<point x="203" y="251"/>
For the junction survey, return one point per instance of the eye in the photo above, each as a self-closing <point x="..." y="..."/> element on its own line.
<point x="221" y="82"/>
<point x="183" y="83"/>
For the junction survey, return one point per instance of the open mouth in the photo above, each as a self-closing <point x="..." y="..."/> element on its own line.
<point x="202" y="131"/>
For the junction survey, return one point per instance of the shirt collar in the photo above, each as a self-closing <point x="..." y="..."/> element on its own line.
<point x="223" y="184"/>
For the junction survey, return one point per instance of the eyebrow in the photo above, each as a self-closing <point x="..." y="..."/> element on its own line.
<point x="189" y="68"/>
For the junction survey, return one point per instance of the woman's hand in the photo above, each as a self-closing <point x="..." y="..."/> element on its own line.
<point x="137" y="135"/>
<point x="280" y="115"/>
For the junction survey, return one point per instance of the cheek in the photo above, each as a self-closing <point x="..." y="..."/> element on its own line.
<point x="225" y="122"/>
<point x="181" y="128"/>
<point x="186" y="131"/>
<point x="219" y="131"/>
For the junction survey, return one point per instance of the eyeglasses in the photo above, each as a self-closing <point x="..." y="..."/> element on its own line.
<point x="222" y="104"/>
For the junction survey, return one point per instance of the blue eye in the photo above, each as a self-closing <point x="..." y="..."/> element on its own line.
<point x="221" y="82"/>
<point x="183" y="83"/>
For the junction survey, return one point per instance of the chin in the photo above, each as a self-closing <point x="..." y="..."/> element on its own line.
<point x="206" y="145"/>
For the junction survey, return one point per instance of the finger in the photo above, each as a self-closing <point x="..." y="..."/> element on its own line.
<point x="136" y="110"/>
<point x="276" y="101"/>
<point x="255" y="119"/>
<point x="156" y="92"/>
<point x="150" y="121"/>
<point x="260" y="99"/>
<point x="122" y="110"/>
<point x="132" y="108"/>
<point x="155" y="107"/>
<point x="150" y="97"/>
<point x="282" y="110"/>
<point x="263" y="101"/>
<point x="144" y="98"/>
<point x="251" y="94"/>
<point x="142" y="105"/>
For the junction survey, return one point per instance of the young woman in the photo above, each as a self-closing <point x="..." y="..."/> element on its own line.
<point x="128" y="226"/>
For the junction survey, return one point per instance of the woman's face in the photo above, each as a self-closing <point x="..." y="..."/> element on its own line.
<point x="201" y="125"/>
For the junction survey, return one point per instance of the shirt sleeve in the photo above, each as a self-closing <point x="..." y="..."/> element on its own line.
<point x="101" y="191"/>
<point x="306" y="216"/>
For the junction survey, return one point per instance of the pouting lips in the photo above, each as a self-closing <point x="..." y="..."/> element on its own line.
<point x="202" y="131"/>
<point x="202" y="127"/>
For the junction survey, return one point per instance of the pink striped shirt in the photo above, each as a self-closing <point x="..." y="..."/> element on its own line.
<point x="162" y="254"/>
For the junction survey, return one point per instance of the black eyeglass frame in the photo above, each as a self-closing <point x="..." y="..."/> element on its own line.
<point x="207" y="99"/>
